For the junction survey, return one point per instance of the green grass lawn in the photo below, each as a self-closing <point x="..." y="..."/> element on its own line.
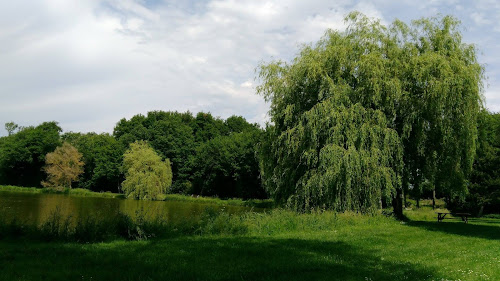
<point x="279" y="245"/>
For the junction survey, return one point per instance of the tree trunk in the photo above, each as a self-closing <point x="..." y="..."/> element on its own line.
<point x="418" y="202"/>
<point x="434" y="198"/>
<point x="397" y="203"/>
<point x="481" y="211"/>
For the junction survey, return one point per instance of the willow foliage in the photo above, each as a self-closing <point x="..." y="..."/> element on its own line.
<point x="366" y="112"/>
<point x="146" y="175"/>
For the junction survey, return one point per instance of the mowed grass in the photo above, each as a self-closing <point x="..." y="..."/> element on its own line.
<point x="278" y="245"/>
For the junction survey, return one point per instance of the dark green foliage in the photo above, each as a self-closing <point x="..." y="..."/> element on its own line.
<point x="207" y="127"/>
<point x="22" y="155"/>
<point x="238" y="124"/>
<point x="402" y="99"/>
<point x="484" y="189"/>
<point x="203" y="151"/>
<point x="128" y="131"/>
<point x="175" y="136"/>
<point x="173" y="139"/>
<point x="226" y="166"/>
<point x="102" y="155"/>
<point x="169" y="133"/>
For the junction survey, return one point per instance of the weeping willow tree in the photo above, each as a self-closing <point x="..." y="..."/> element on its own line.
<point x="146" y="175"/>
<point x="370" y="112"/>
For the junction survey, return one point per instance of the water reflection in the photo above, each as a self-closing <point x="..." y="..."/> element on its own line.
<point x="36" y="208"/>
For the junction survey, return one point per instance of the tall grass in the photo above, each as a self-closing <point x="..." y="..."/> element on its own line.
<point x="212" y="222"/>
<point x="285" y="221"/>
<point x="95" y="228"/>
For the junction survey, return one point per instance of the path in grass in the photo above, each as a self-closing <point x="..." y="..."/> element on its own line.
<point x="353" y="248"/>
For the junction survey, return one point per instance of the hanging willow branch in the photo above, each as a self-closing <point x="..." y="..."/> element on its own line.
<point x="370" y="110"/>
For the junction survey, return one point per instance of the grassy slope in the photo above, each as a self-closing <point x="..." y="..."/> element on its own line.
<point x="279" y="246"/>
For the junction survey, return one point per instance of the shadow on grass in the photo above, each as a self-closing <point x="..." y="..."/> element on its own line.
<point x="475" y="227"/>
<point x="200" y="258"/>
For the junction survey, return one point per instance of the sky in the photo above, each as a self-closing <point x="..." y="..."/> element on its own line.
<point x="88" y="64"/>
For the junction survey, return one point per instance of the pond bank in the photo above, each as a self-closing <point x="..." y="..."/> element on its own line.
<point x="63" y="216"/>
<point x="257" y="203"/>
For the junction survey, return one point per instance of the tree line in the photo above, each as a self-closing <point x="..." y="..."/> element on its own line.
<point x="360" y="120"/>
<point x="207" y="156"/>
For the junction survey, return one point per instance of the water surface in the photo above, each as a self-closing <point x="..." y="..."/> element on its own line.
<point x="37" y="207"/>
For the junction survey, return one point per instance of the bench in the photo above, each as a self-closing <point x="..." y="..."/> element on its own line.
<point x="441" y="216"/>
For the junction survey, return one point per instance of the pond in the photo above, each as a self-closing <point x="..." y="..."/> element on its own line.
<point x="35" y="208"/>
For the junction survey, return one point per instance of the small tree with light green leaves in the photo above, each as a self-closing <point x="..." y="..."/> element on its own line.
<point x="146" y="175"/>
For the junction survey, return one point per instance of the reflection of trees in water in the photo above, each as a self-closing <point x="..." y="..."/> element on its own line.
<point x="169" y="210"/>
<point x="97" y="207"/>
<point x="172" y="211"/>
<point x="75" y="207"/>
<point x="20" y="206"/>
<point x="48" y="203"/>
<point x="37" y="208"/>
<point x="147" y="209"/>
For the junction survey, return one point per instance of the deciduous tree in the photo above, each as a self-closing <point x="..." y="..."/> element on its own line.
<point x="146" y="175"/>
<point x="484" y="189"/>
<point x="63" y="166"/>
<point x="371" y="112"/>
<point x="227" y="166"/>
<point x="22" y="154"/>
<point x="176" y="136"/>
<point x="11" y="127"/>
<point x="169" y="133"/>
<point x="103" y="156"/>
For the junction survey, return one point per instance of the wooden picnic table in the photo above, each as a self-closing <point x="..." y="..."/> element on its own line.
<point x="441" y="216"/>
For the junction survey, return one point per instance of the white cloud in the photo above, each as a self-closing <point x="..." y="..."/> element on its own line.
<point x="247" y="84"/>
<point x="87" y="64"/>
<point x="479" y="19"/>
<point x="492" y="95"/>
